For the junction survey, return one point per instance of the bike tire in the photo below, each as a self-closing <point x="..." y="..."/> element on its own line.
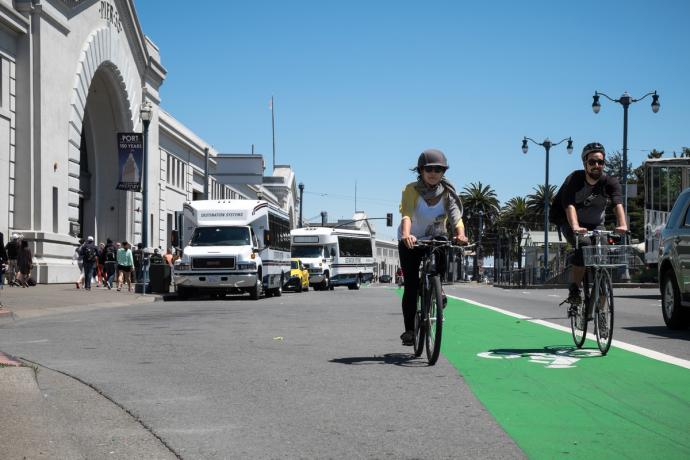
<point x="434" y="320"/>
<point x="578" y="321"/>
<point x="603" y="312"/>
<point x="419" y="324"/>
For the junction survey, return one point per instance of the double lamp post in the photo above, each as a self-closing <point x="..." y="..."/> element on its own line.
<point x="547" y="144"/>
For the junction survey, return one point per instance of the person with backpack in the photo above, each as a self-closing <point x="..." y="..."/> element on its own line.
<point x="110" y="262"/>
<point x="89" y="256"/>
<point x="12" y="249"/>
<point x="580" y="206"/>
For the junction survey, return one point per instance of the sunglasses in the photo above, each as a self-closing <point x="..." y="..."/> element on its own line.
<point x="596" y="162"/>
<point x="436" y="169"/>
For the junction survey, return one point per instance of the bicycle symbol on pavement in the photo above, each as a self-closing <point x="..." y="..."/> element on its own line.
<point x="559" y="358"/>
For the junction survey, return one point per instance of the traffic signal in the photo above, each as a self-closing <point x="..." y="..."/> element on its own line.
<point x="389" y="219"/>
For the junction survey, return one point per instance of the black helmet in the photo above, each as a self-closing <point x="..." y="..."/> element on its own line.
<point x="591" y="148"/>
<point x="431" y="157"/>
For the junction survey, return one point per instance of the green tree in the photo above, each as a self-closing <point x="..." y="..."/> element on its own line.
<point x="515" y="216"/>
<point x="614" y="166"/>
<point x="481" y="209"/>
<point x="535" y="204"/>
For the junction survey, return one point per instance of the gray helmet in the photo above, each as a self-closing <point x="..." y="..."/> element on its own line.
<point x="591" y="148"/>
<point x="431" y="157"/>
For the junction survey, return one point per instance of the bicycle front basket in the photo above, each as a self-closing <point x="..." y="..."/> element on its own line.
<point x="611" y="255"/>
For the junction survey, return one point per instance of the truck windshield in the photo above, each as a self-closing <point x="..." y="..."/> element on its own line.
<point x="305" y="251"/>
<point x="221" y="236"/>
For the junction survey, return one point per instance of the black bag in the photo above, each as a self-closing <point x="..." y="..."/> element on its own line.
<point x="110" y="254"/>
<point x="90" y="254"/>
<point x="31" y="282"/>
<point x="556" y="210"/>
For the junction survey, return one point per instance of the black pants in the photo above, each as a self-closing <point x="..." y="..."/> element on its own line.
<point x="410" y="260"/>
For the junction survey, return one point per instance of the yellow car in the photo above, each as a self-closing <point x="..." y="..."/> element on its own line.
<point x="299" y="277"/>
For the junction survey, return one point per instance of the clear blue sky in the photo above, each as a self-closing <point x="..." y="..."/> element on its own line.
<point x="362" y="87"/>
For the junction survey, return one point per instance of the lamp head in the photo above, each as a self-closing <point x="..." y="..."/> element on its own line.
<point x="524" y="146"/>
<point x="569" y="147"/>
<point x="655" y="102"/>
<point x="596" y="106"/>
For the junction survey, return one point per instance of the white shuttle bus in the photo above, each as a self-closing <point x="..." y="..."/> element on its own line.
<point x="334" y="256"/>
<point x="233" y="246"/>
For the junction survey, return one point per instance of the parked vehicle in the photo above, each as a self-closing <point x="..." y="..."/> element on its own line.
<point x="674" y="264"/>
<point x="334" y="256"/>
<point x="385" y="279"/>
<point x="299" y="277"/>
<point x="234" y="246"/>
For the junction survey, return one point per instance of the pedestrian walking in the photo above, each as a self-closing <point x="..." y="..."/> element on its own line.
<point x="89" y="256"/>
<point x="100" y="267"/>
<point x="110" y="262"/>
<point x="138" y="255"/>
<point x="3" y="260"/>
<point x="24" y="264"/>
<point x="80" y="263"/>
<point x="12" y="249"/>
<point x="125" y="266"/>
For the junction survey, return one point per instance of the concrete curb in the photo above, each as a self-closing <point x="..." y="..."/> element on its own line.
<point x="565" y="286"/>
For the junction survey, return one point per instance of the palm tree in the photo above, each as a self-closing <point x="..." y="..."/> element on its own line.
<point x="535" y="202"/>
<point x="515" y="215"/>
<point x="481" y="205"/>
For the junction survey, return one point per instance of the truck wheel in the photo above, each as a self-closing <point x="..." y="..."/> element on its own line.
<point x="326" y="283"/>
<point x="675" y="316"/>
<point x="255" y="293"/>
<point x="182" y="293"/>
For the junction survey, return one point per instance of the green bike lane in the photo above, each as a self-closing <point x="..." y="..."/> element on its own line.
<point x="557" y="401"/>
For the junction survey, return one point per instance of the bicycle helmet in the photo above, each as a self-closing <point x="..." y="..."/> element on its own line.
<point x="431" y="157"/>
<point x="591" y="148"/>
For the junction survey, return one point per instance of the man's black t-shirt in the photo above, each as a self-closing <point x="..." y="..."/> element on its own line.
<point x="590" y="201"/>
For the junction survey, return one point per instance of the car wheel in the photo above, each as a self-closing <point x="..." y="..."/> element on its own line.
<point x="675" y="316"/>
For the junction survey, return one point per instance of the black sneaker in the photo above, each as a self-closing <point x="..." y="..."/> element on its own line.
<point x="407" y="338"/>
<point x="574" y="297"/>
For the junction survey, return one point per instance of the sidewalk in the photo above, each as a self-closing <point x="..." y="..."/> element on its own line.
<point x="35" y="402"/>
<point x="48" y="299"/>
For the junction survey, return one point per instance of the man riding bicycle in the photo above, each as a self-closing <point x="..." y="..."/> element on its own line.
<point x="584" y="196"/>
<point x="427" y="207"/>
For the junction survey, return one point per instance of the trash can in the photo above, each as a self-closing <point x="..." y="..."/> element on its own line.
<point x="160" y="278"/>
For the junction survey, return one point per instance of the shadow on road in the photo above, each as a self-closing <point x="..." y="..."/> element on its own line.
<point x="554" y="350"/>
<point x="661" y="331"/>
<point x="399" y="359"/>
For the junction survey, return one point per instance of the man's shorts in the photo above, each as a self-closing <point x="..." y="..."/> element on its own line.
<point x="576" y="257"/>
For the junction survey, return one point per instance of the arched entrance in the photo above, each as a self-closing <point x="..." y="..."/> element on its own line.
<point x="103" y="210"/>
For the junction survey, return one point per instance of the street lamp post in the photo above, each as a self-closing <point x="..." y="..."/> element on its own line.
<point x="301" y="196"/>
<point x="547" y="144"/>
<point x="145" y="113"/>
<point x="625" y="100"/>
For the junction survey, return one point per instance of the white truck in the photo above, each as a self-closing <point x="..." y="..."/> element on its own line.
<point x="334" y="256"/>
<point x="233" y="246"/>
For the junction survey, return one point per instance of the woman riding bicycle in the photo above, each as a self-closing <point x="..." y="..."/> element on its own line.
<point x="429" y="206"/>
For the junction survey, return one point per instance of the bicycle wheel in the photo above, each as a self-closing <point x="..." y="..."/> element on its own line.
<point x="603" y="312"/>
<point x="434" y="320"/>
<point x="419" y="325"/>
<point x="578" y="317"/>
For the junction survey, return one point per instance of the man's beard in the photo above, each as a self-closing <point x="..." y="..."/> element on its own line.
<point x="595" y="174"/>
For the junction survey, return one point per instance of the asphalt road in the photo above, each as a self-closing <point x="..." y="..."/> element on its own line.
<point x="311" y="375"/>
<point x="638" y="318"/>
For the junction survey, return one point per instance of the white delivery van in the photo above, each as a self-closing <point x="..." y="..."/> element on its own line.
<point x="334" y="256"/>
<point x="233" y="246"/>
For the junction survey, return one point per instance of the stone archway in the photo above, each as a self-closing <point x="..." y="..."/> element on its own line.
<point x="106" y="87"/>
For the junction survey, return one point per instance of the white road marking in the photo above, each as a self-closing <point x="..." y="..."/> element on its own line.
<point x="615" y="343"/>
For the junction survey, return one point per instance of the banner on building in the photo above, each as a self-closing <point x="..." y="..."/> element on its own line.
<point x="130" y="150"/>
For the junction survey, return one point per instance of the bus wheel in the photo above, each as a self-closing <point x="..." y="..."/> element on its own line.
<point x="277" y="292"/>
